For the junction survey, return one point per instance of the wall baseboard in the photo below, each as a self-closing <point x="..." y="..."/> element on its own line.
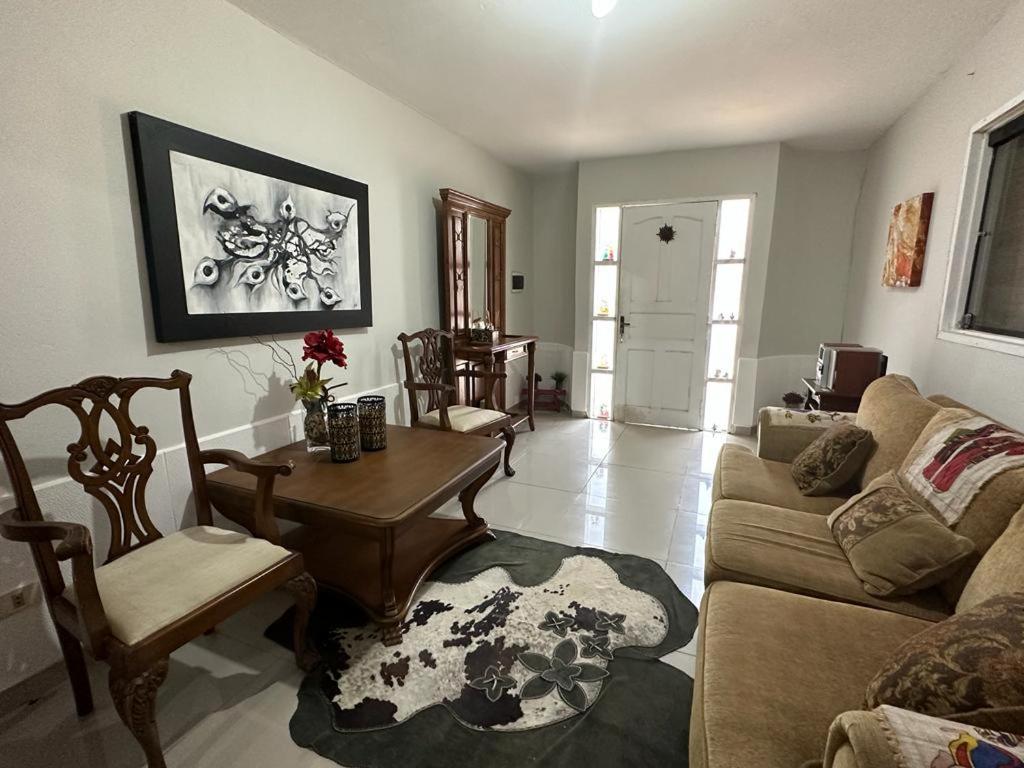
<point x="33" y="688"/>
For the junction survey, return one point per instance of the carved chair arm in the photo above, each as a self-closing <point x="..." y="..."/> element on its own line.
<point x="241" y="463"/>
<point x="264" y="525"/>
<point x="74" y="539"/>
<point x="74" y="543"/>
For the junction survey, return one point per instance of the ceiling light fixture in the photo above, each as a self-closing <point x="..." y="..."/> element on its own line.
<point x="601" y="8"/>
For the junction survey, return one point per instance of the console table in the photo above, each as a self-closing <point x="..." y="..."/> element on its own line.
<point x="494" y="357"/>
<point x="365" y="527"/>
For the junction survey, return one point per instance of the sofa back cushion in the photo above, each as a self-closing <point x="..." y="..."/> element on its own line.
<point x="969" y="668"/>
<point x="894" y="412"/>
<point x="1001" y="570"/>
<point x="969" y="471"/>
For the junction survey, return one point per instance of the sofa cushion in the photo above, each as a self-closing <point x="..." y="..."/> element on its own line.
<point x="774" y="669"/>
<point x="970" y="471"/>
<point x="1001" y="570"/>
<point x="830" y="462"/>
<point x="155" y="585"/>
<point x="969" y="667"/>
<point x="896" y="546"/>
<point x="742" y="476"/>
<point x="794" y="551"/>
<point x="895" y="413"/>
<point x="464" y="418"/>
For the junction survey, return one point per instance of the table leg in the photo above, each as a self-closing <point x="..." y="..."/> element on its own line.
<point x="391" y="632"/>
<point x="532" y="385"/>
<point x="468" y="496"/>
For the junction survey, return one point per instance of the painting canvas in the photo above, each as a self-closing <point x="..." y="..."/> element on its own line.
<point x="240" y="242"/>
<point x="908" y="236"/>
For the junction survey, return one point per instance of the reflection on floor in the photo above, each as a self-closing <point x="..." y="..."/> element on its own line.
<point x="229" y="696"/>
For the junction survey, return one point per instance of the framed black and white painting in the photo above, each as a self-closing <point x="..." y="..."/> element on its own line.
<point x="240" y="242"/>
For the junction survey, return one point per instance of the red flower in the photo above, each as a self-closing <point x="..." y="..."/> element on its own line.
<point x="324" y="347"/>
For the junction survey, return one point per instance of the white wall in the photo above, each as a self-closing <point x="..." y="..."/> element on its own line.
<point x="806" y="285"/>
<point x="75" y="295"/>
<point x="925" y="151"/>
<point x="551" y="283"/>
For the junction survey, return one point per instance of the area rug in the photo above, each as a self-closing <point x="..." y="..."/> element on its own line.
<point x="516" y="652"/>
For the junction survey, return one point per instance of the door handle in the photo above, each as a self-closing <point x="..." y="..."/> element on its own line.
<point x="622" y="327"/>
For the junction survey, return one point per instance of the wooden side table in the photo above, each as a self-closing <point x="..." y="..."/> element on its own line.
<point x="821" y="398"/>
<point x="494" y="357"/>
<point x="366" y="527"/>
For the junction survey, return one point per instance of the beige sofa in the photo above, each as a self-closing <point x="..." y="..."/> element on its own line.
<point x="788" y="638"/>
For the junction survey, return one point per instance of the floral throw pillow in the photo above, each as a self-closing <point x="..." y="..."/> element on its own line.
<point x="831" y="461"/>
<point x="969" y="667"/>
<point x="895" y="546"/>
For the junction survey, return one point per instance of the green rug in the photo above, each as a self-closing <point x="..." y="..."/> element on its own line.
<point x="517" y="652"/>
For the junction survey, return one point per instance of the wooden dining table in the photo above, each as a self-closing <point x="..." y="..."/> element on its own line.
<point x="365" y="528"/>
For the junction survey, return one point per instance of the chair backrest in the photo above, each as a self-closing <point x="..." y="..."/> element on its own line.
<point x="115" y="471"/>
<point x="434" y="362"/>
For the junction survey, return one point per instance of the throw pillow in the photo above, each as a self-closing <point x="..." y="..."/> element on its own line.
<point x="831" y="461"/>
<point x="969" y="470"/>
<point x="895" y="546"/>
<point x="969" y="667"/>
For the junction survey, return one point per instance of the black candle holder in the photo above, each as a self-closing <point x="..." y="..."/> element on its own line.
<point x="373" y="428"/>
<point x="343" y="431"/>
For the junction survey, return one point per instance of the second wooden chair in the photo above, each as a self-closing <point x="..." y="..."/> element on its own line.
<point x="430" y="354"/>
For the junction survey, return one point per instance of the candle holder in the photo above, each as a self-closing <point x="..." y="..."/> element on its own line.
<point x="373" y="430"/>
<point x="343" y="430"/>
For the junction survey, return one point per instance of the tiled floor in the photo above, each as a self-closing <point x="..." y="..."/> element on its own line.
<point x="228" y="698"/>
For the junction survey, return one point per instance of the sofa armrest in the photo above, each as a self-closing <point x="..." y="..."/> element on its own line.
<point x="888" y="737"/>
<point x="782" y="433"/>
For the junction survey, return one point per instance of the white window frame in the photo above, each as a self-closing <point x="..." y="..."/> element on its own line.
<point x="968" y="224"/>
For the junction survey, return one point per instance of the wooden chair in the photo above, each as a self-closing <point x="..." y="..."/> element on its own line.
<point x="437" y="374"/>
<point x="153" y="593"/>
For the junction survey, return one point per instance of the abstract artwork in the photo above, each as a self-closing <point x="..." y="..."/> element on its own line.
<point x="908" y="236"/>
<point x="240" y="242"/>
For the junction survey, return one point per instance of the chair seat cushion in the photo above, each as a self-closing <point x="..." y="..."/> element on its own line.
<point x="774" y="669"/>
<point x="157" y="584"/>
<point x="742" y="476"/>
<point x="795" y="551"/>
<point x="464" y="418"/>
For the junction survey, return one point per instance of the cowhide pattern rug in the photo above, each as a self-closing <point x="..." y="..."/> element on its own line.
<point x="525" y="651"/>
<point x="496" y="654"/>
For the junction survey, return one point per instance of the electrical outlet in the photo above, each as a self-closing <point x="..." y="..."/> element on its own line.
<point x="18" y="599"/>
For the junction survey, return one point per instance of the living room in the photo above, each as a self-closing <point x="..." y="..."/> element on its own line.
<point x="490" y="379"/>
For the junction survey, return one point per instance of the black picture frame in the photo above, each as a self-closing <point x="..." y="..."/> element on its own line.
<point x="153" y="140"/>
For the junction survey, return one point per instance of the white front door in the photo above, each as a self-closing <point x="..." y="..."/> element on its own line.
<point x="665" y="289"/>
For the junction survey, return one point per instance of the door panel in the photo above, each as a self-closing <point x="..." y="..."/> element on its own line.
<point x="665" y="260"/>
<point x="663" y="326"/>
<point x="639" y="375"/>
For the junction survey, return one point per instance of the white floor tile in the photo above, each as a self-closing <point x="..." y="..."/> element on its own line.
<point x="682" y="661"/>
<point x="641" y="486"/>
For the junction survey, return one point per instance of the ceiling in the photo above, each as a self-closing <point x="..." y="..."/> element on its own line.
<point x="539" y="82"/>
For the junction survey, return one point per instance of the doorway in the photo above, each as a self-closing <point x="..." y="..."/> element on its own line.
<point x="668" y="284"/>
<point x="664" y="294"/>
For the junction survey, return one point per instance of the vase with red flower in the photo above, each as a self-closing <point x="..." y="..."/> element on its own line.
<point x="310" y="387"/>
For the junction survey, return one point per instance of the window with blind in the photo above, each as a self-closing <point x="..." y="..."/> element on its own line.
<point x="995" y="297"/>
